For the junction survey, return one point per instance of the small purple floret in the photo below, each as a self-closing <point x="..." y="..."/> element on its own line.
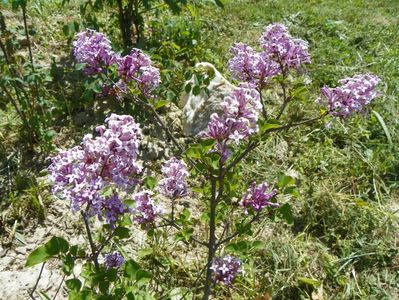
<point x="258" y="196"/>
<point x="174" y="183"/>
<point x="146" y="210"/>
<point x="114" y="260"/>
<point x="226" y="268"/>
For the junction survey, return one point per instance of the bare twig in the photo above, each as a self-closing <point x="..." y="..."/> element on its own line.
<point x="59" y="287"/>
<point x="31" y="291"/>
<point x="94" y="255"/>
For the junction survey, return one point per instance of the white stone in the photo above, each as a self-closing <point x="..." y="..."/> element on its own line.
<point x="198" y="109"/>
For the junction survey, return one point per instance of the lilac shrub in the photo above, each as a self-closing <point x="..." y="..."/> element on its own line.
<point x="241" y="113"/>
<point x="103" y="176"/>
<point x="146" y="210"/>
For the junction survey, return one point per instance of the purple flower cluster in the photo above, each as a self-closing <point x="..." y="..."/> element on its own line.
<point x="280" y="52"/>
<point x="174" y="183"/>
<point x="146" y="210"/>
<point x="251" y="66"/>
<point x="81" y="173"/>
<point x="136" y="67"/>
<point x="226" y="268"/>
<point x="114" y="260"/>
<point x="352" y="96"/>
<point x="283" y="48"/>
<point x="94" y="50"/>
<point x="258" y="196"/>
<point x="241" y="112"/>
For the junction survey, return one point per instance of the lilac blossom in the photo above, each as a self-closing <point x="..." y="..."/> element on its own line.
<point x="352" y="96"/>
<point x="113" y="208"/>
<point x="94" y="50"/>
<point x="174" y="183"/>
<point x="251" y="66"/>
<point x="258" y="197"/>
<point x="283" y="48"/>
<point x="241" y="112"/>
<point x="146" y="210"/>
<point x="226" y="268"/>
<point x="81" y="173"/>
<point x="136" y="67"/>
<point x="113" y="260"/>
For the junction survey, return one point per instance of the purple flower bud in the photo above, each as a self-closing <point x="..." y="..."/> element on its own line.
<point x="113" y="208"/>
<point x="114" y="260"/>
<point x="226" y="268"/>
<point x="258" y="196"/>
<point x="174" y="183"/>
<point x="352" y="96"/>
<point x="146" y="210"/>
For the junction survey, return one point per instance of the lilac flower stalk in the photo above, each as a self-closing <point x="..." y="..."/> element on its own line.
<point x="94" y="50"/>
<point x="113" y="260"/>
<point x="257" y="197"/>
<point x="174" y="183"/>
<point x="352" y="96"/>
<point x="225" y="269"/>
<point x="79" y="174"/>
<point x="146" y="210"/>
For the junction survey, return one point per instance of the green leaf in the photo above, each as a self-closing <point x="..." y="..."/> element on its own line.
<point x="285" y="180"/>
<point x="196" y="90"/>
<point x="219" y="3"/>
<point x="194" y="151"/>
<point x="286" y="213"/>
<point x="38" y="256"/>
<point x="143" y="277"/>
<point x="73" y="284"/>
<point x="57" y="245"/>
<point x="270" y="124"/>
<point x="309" y="281"/>
<point x="384" y="126"/>
<point x="160" y="103"/>
<point x="150" y="182"/>
<point x="130" y="269"/>
<point x="187" y="88"/>
<point x="122" y="232"/>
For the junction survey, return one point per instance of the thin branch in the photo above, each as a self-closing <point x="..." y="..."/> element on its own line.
<point x="229" y="238"/>
<point x="253" y="144"/>
<point x="166" y="129"/>
<point x="94" y="255"/>
<point x="59" y="287"/>
<point x="37" y="282"/>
